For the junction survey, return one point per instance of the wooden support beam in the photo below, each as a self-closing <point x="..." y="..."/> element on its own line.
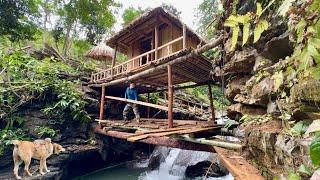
<point x="114" y="57"/>
<point x="211" y="104"/>
<point x="156" y="42"/>
<point x="138" y="102"/>
<point x="101" y="115"/>
<point x="170" y="97"/>
<point x="184" y="31"/>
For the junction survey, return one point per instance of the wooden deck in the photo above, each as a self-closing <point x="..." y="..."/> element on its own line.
<point x="156" y="132"/>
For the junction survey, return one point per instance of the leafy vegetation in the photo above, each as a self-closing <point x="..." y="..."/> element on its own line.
<point x="44" y="131"/>
<point x="6" y="135"/>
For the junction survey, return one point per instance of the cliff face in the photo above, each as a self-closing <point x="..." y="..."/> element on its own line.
<point x="269" y="93"/>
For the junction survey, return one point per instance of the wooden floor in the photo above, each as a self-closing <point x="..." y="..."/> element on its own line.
<point x="146" y="128"/>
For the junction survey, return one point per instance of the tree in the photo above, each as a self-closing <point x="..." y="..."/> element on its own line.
<point x="16" y="18"/>
<point x="91" y="17"/>
<point x="208" y="14"/>
<point x="130" y="14"/>
<point x="171" y="9"/>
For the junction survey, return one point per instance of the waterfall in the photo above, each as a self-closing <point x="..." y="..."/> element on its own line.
<point x="173" y="164"/>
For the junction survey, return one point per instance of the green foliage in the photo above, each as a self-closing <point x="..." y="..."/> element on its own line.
<point x="45" y="131"/>
<point x="305" y="170"/>
<point x="300" y="128"/>
<point x="293" y="176"/>
<point x="208" y="14"/>
<point x="245" y="21"/>
<point x="130" y="14"/>
<point x="6" y="136"/>
<point x="26" y="78"/>
<point x="315" y="151"/>
<point x="171" y="9"/>
<point x="15" y="19"/>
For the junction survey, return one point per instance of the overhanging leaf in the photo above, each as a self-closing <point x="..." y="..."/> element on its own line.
<point x="260" y="27"/>
<point x="234" y="39"/>
<point x="245" y="33"/>
<point x="315" y="151"/>
<point x="259" y="9"/>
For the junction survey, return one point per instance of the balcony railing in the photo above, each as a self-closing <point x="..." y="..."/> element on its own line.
<point x="137" y="62"/>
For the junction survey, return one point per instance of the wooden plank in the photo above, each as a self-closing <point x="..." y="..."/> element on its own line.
<point x="237" y="165"/>
<point x="138" y="102"/>
<point x="188" y="131"/>
<point x="156" y="131"/>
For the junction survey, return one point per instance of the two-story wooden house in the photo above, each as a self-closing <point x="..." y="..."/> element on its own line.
<point x="162" y="53"/>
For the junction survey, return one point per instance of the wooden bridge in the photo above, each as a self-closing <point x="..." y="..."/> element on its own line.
<point x="164" y="55"/>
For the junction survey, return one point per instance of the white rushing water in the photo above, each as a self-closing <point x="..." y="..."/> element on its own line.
<point x="175" y="164"/>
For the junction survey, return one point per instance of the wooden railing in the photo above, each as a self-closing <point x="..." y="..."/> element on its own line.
<point x="136" y="62"/>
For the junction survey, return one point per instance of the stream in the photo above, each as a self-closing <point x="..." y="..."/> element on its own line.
<point x="172" y="166"/>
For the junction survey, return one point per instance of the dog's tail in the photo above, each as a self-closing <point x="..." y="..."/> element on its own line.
<point x="16" y="143"/>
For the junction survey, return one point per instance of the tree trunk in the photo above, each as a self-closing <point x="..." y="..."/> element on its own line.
<point x="67" y="39"/>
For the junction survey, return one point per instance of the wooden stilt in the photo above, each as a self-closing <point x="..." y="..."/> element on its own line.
<point x="184" y="32"/>
<point x="101" y="116"/>
<point x="170" y="97"/>
<point x="148" y="109"/>
<point x="156" y="42"/>
<point x="211" y="103"/>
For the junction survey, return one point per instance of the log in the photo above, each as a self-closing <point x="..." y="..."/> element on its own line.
<point x="156" y="131"/>
<point x="101" y="113"/>
<point x="170" y="97"/>
<point x="187" y="131"/>
<point x="163" y="66"/>
<point x="237" y="165"/>
<point x="227" y="145"/>
<point x="138" y="102"/>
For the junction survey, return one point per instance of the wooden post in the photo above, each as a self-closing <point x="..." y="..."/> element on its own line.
<point x="211" y="103"/>
<point x="184" y="30"/>
<point x="114" y="57"/>
<point x="156" y="41"/>
<point x="101" y="116"/>
<point x="170" y="97"/>
<point x="148" y="110"/>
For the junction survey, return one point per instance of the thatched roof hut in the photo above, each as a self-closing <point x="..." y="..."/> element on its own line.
<point x="101" y="52"/>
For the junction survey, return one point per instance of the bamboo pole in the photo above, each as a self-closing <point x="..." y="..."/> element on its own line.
<point x="101" y="115"/>
<point x="138" y="102"/>
<point x="211" y="104"/>
<point x="170" y="97"/>
<point x="227" y="145"/>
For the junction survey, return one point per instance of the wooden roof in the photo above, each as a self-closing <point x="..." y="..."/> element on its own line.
<point x="143" y="26"/>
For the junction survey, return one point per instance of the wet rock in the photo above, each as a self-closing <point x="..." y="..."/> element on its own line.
<point x="278" y="48"/>
<point x="204" y="167"/>
<point x="263" y="89"/>
<point x="158" y="156"/>
<point x="235" y="85"/>
<point x="247" y="100"/>
<point x="241" y="62"/>
<point x="261" y="63"/>
<point x="272" y="107"/>
<point x="306" y="90"/>
<point x="236" y="111"/>
<point x="299" y="110"/>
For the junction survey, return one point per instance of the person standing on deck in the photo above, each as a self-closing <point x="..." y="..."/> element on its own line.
<point x="132" y="94"/>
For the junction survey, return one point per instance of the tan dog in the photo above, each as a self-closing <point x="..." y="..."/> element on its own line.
<point x="39" y="149"/>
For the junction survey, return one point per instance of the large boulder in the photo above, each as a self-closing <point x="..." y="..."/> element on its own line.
<point x="278" y="48"/>
<point x="235" y="86"/>
<point x="236" y="111"/>
<point x="241" y="62"/>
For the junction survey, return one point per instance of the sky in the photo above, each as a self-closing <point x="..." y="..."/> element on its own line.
<point x="187" y="8"/>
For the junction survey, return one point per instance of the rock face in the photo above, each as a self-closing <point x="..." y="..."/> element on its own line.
<point x="202" y="168"/>
<point x="158" y="156"/>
